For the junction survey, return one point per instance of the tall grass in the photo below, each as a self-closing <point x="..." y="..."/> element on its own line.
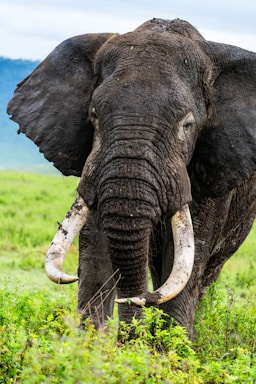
<point x="39" y="337"/>
<point x="30" y="206"/>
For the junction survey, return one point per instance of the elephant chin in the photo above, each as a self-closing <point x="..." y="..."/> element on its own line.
<point x="183" y="254"/>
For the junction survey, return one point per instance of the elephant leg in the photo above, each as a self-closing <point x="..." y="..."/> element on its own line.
<point x="96" y="282"/>
<point x="183" y="307"/>
<point x="224" y="233"/>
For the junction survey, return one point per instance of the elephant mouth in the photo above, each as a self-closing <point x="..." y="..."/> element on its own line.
<point x="183" y="254"/>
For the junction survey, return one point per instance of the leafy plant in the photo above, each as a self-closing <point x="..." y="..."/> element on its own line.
<point x="40" y="341"/>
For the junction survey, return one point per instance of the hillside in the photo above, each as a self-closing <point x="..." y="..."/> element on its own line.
<point x="16" y="151"/>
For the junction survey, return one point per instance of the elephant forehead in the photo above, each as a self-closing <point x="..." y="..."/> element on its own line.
<point x="152" y="52"/>
<point x="150" y="42"/>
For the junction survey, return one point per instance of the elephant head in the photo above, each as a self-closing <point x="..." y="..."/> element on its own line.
<point x="150" y="121"/>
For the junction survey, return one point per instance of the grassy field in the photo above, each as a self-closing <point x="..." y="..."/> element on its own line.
<point x="39" y="338"/>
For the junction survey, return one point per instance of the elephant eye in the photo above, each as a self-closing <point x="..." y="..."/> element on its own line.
<point x="186" y="126"/>
<point x="188" y="123"/>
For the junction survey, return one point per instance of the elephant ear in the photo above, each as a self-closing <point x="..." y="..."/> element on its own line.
<point x="51" y="105"/>
<point x="225" y="153"/>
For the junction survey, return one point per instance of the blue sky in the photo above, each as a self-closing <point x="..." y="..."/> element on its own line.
<point x="30" y="29"/>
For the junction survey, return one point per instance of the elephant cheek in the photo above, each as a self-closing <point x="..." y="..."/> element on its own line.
<point x="87" y="187"/>
<point x="87" y="190"/>
<point x="179" y="190"/>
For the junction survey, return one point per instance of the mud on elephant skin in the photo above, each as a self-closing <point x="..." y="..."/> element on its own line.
<point x="160" y="126"/>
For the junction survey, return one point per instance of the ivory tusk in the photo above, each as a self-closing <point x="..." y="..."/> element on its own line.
<point x="64" y="237"/>
<point x="183" y="239"/>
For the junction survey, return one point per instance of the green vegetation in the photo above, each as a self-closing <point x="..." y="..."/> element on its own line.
<point x="39" y="338"/>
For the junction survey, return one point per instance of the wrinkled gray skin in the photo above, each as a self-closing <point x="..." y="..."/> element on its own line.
<point x="150" y="120"/>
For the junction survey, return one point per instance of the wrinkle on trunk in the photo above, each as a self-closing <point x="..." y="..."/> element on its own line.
<point x="128" y="246"/>
<point x="128" y="205"/>
<point x="128" y="249"/>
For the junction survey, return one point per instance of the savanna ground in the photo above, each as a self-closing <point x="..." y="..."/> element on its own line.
<point x="39" y="337"/>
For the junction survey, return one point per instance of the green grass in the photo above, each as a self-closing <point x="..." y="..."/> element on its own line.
<point x="39" y="337"/>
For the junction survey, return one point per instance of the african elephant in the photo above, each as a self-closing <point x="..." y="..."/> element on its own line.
<point x="160" y="126"/>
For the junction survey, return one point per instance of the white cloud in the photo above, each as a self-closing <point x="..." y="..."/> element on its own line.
<point x="31" y="29"/>
<point x="34" y="31"/>
<point x="243" y="40"/>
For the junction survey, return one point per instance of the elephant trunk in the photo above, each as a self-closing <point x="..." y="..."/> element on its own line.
<point x="128" y="246"/>
<point x="128" y="207"/>
<point x="126" y="217"/>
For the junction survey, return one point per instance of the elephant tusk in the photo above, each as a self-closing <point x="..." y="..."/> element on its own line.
<point x="64" y="237"/>
<point x="183" y="239"/>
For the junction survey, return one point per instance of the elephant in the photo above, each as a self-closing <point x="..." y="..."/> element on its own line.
<point x="159" y="124"/>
